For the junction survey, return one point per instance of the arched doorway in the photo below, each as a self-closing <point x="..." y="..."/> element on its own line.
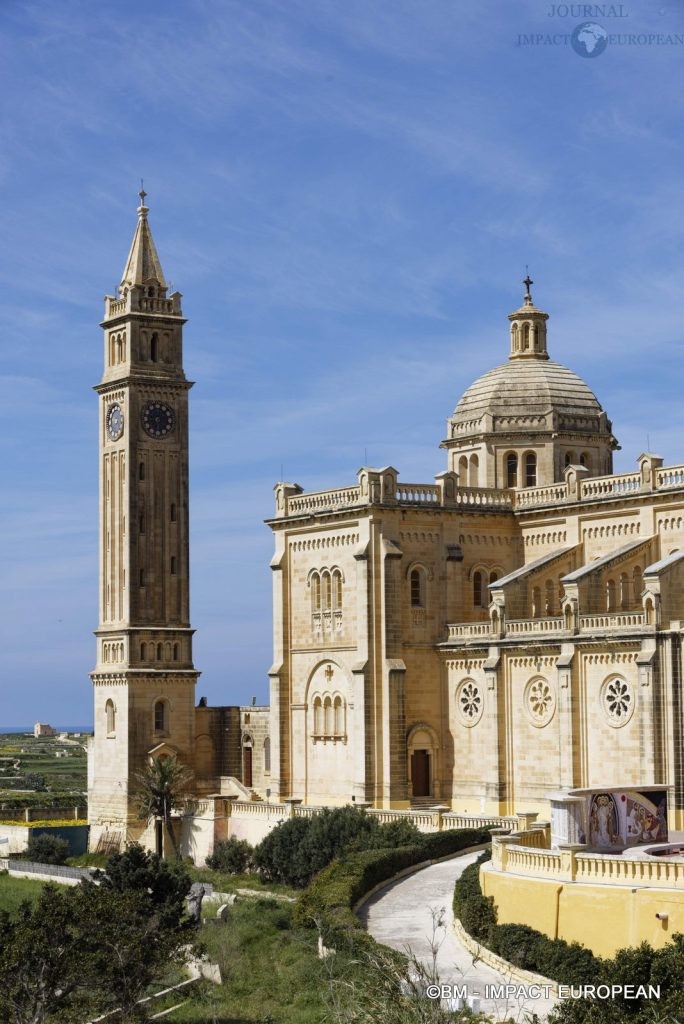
<point x="421" y="763"/>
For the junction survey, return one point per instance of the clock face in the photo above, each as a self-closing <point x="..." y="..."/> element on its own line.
<point x="158" y="419"/>
<point x="115" y="421"/>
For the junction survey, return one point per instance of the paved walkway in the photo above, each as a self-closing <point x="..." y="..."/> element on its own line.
<point x="401" y="916"/>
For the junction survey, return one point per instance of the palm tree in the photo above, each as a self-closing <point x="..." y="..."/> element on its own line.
<point x="161" y="790"/>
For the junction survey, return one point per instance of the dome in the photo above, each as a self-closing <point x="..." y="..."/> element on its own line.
<point x="526" y="392"/>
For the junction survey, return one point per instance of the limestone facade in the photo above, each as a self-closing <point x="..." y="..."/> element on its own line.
<point x="513" y="628"/>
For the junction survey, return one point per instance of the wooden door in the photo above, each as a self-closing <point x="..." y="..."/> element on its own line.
<point x="247" y="755"/>
<point x="420" y="772"/>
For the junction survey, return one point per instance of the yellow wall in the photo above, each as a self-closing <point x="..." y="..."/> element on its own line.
<point x="603" y="917"/>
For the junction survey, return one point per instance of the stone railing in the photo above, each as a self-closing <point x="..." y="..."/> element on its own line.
<point x="536" y="496"/>
<point x="321" y="501"/>
<point x="613" y="620"/>
<point x="671" y="476"/>
<point x="549" y="624"/>
<point x="464" y="630"/>
<point x="606" y="870"/>
<point x="570" y="864"/>
<point x="418" y="494"/>
<point x="483" y="497"/>
<point x="602" y="486"/>
<point x="452" y="819"/>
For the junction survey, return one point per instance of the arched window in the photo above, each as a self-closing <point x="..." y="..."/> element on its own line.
<point x="315" y="592"/>
<point x="536" y="602"/>
<point x="514" y="337"/>
<point x="463" y="471"/>
<point x="511" y="470"/>
<point x="141" y="471"/>
<point x="474" y="471"/>
<point x="530" y="470"/>
<point x="110" y="711"/>
<point x="160" y="652"/>
<point x="624" y="591"/>
<point x="267" y="754"/>
<point x="637" y="583"/>
<point x="339" y="717"/>
<point x="173" y="565"/>
<point x="176" y="652"/>
<point x="477" y="589"/>
<point x="569" y="458"/>
<point x="526" y="336"/>
<point x="142" y="577"/>
<point x="327" y="594"/>
<point x="143" y="651"/>
<point x="584" y="460"/>
<point x="493" y="577"/>
<point x="327" y="717"/>
<point x="610" y="596"/>
<point x="154" y="348"/>
<point x="318" y="716"/>
<point x="337" y="589"/>
<point x="172" y="512"/>
<point x="549" y="596"/>
<point x="417" y="588"/>
<point x="160" y="722"/>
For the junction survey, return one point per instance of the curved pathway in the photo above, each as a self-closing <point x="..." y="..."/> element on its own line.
<point x="401" y="916"/>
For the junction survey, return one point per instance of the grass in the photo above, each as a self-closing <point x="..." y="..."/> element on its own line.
<point x="268" y="969"/>
<point x="223" y="882"/>
<point x="14" y="891"/>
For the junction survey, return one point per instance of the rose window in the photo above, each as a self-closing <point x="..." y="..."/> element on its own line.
<point x="540" y="702"/>
<point x="618" y="701"/>
<point x="469" y="702"/>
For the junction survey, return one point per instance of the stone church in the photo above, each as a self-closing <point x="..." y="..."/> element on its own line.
<point x="511" y="629"/>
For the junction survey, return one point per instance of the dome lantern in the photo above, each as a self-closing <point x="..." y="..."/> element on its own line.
<point x="528" y="328"/>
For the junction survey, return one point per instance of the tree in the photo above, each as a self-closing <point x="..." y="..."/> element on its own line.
<point x="162" y="789"/>
<point x="165" y="884"/>
<point x="47" y="849"/>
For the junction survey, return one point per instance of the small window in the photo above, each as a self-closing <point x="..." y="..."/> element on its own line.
<point x="176" y="652"/>
<point x="267" y="754"/>
<point x="141" y="523"/>
<point x="110" y="711"/>
<point x="493" y="577"/>
<point x="339" y="717"/>
<point x="173" y="512"/>
<point x="160" y="652"/>
<point x="568" y="459"/>
<point x="315" y="593"/>
<point x="584" y="460"/>
<point x="154" y="348"/>
<point x="142" y="577"/>
<point x="141" y="471"/>
<point x="173" y="565"/>
<point x="328" y="716"/>
<point x="477" y="589"/>
<point x="318" y="716"/>
<point x="416" y="582"/>
<point x="549" y="597"/>
<point x="624" y="591"/>
<point x="637" y="583"/>
<point x="610" y="596"/>
<point x="536" y="603"/>
<point x="160" y="716"/>
<point x="530" y="470"/>
<point x="511" y="470"/>
<point x="143" y="651"/>
<point x="327" y="594"/>
<point x="337" y="589"/>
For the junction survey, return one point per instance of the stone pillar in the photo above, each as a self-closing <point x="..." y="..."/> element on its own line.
<point x="283" y="492"/>
<point x="647" y="669"/>
<point x="494" y="784"/>
<point x="566" y="728"/>
<point x="568" y="861"/>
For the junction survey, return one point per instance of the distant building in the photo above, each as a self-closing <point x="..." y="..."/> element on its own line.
<point x="41" y="729"/>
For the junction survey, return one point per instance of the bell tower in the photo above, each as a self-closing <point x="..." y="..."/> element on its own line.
<point x="144" y="678"/>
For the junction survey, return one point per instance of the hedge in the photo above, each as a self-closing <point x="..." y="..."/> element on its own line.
<point x="566" y="962"/>
<point x="331" y="896"/>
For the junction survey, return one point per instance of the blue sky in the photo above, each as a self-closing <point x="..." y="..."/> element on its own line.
<point x="347" y="193"/>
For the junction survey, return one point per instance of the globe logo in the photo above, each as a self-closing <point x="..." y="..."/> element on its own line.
<point x="589" y="39"/>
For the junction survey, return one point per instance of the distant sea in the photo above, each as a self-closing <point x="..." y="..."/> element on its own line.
<point x="58" y="728"/>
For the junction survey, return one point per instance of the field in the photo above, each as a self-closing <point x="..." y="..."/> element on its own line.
<point x="41" y="772"/>
<point x="14" y="891"/>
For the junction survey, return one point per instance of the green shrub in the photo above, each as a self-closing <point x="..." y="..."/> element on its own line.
<point x="47" y="849"/>
<point x="294" y="852"/>
<point x="232" y="855"/>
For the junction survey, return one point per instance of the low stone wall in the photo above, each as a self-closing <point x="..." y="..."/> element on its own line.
<point x="498" y="963"/>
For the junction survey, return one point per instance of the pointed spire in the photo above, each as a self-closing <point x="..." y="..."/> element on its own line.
<point x="143" y="266"/>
